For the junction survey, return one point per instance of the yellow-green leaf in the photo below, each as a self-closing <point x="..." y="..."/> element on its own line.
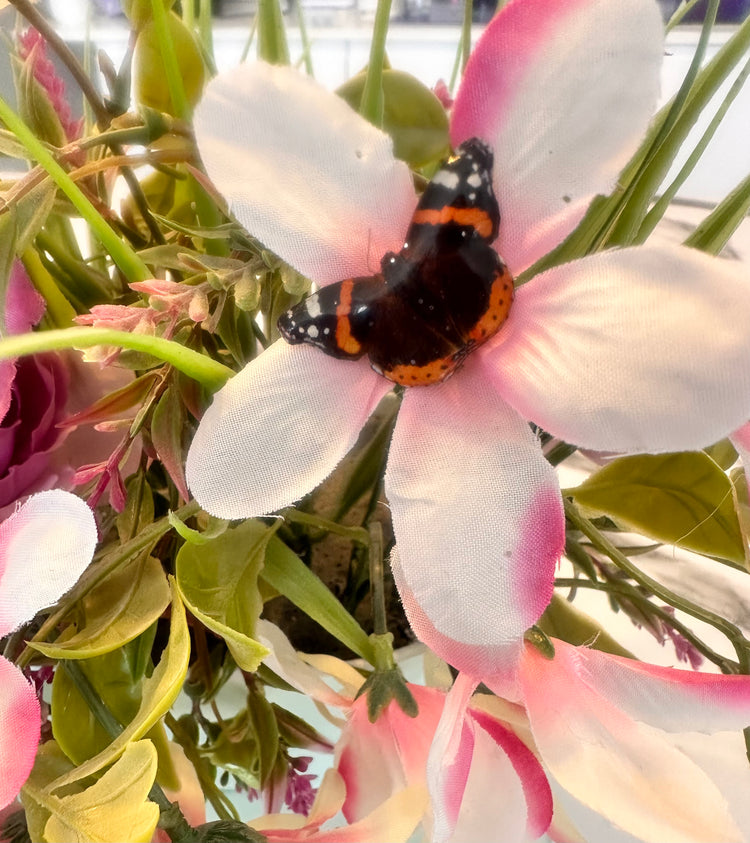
<point x="114" y="808"/>
<point x="116" y="611"/>
<point x="683" y="499"/>
<point x="158" y="693"/>
<point x="218" y="582"/>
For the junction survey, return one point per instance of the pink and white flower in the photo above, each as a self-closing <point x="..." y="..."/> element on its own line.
<point x="632" y="350"/>
<point x="44" y="548"/>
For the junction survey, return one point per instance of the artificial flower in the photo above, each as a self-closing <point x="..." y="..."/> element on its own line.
<point x="625" y="746"/>
<point x="33" y="398"/>
<point x="44" y="548"/>
<point x="607" y="352"/>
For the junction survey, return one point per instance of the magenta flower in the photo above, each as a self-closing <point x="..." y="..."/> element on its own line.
<point x="632" y="350"/>
<point x="33" y="398"/>
<point x="44" y="548"/>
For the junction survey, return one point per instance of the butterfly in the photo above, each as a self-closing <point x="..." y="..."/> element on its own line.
<point x="441" y="296"/>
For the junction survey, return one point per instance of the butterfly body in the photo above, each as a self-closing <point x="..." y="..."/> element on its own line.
<point x="433" y="302"/>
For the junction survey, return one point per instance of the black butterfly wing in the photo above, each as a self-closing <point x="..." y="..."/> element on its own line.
<point x="337" y="319"/>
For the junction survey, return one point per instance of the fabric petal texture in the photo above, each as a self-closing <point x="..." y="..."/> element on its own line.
<point x="278" y="429"/>
<point x="536" y="88"/>
<point x="459" y="454"/>
<point x="20" y="728"/>
<point x="698" y="702"/>
<point x="45" y="546"/>
<point x="643" y="349"/>
<point x="623" y="768"/>
<point x="399" y="742"/>
<point x="305" y="174"/>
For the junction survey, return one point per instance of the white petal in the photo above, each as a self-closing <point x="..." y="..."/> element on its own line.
<point x="278" y="429"/>
<point x="563" y="91"/>
<point x="285" y="662"/>
<point x="305" y="174"/>
<point x="669" y="699"/>
<point x="476" y="511"/>
<point x="622" y="768"/>
<point x="641" y="349"/>
<point x="45" y="546"/>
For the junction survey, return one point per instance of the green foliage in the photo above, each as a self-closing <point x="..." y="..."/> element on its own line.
<point x="683" y="499"/>
<point x="218" y="581"/>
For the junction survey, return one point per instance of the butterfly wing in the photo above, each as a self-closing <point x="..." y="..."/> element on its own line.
<point x="337" y="319"/>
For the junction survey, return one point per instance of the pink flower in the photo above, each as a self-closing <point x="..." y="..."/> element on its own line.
<point x="33" y="397"/>
<point x="618" y="351"/>
<point x="584" y="746"/>
<point x="44" y="548"/>
<point x="32" y="48"/>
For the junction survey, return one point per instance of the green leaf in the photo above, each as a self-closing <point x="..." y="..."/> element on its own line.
<point x="412" y="115"/>
<point x="216" y="527"/>
<point x="683" y="499"/>
<point x="74" y="726"/>
<point x="114" y="808"/>
<point x="167" y="428"/>
<point x="159" y="691"/>
<point x="262" y="723"/>
<point x="289" y="575"/>
<point x="116" y="611"/>
<point x="218" y="581"/>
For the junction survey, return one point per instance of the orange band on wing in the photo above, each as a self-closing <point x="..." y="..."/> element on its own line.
<point x="344" y="339"/>
<point x="474" y="217"/>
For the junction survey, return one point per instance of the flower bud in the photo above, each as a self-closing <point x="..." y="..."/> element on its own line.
<point x="150" y="85"/>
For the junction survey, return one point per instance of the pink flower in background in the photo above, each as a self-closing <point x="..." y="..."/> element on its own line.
<point x="44" y="548"/>
<point x="32" y="48"/>
<point x="607" y="352"/>
<point x="33" y="398"/>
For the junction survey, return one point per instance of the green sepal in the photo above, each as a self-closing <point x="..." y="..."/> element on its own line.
<point x="536" y="636"/>
<point x="383" y="687"/>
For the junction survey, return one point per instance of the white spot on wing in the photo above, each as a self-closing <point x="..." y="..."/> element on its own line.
<point x="313" y="307"/>
<point x="312" y="331"/>
<point x="447" y="179"/>
<point x="474" y="180"/>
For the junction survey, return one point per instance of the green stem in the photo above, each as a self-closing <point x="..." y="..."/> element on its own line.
<point x="662" y="204"/>
<point x="272" y="43"/>
<point x="169" y="58"/>
<point x="372" y="104"/>
<point x="605" y="546"/>
<point x="305" y="39"/>
<point x="355" y="534"/>
<point x="206" y="371"/>
<point x="632" y="594"/>
<point x="205" y="27"/>
<point x="126" y="259"/>
<point x="379" y="616"/>
<point x="654" y="167"/>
